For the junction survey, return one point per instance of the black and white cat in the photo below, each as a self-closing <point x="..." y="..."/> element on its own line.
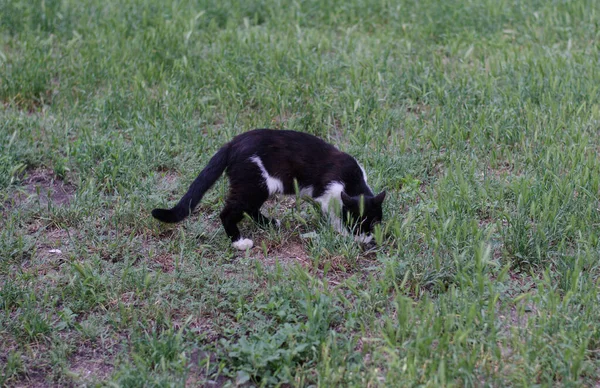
<point x="264" y="162"/>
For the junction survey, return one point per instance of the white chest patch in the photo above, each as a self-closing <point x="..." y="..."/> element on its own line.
<point x="331" y="198"/>
<point x="331" y="205"/>
<point x="274" y="185"/>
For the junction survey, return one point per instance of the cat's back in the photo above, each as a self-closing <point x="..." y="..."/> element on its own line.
<point x="265" y="136"/>
<point x="289" y="155"/>
<point x="264" y="141"/>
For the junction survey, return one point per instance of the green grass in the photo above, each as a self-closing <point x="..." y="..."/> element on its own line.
<point x="479" y="117"/>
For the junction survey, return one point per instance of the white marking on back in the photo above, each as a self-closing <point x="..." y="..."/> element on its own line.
<point x="364" y="174"/>
<point x="274" y="185"/>
<point x="331" y="196"/>
<point x="243" y="243"/>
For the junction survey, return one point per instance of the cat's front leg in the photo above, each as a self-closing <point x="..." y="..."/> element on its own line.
<point x="337" y="223"/>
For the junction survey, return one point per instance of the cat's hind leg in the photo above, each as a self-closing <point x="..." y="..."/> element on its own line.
<point x="242" y="201"/>
<point x="230" y="216"/>
<point x="248" y="190"/>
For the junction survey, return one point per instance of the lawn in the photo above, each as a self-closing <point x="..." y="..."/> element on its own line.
<point x="480" y="118"/>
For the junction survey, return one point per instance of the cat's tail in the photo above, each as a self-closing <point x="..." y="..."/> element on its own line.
<point x="208" y="176"/>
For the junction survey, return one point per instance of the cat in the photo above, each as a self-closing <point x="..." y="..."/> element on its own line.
<point x="264" y="162"/>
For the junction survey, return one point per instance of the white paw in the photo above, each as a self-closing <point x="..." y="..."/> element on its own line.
<point x="363" y="238"/>
<point x="243" y="243"/>
<point x="278" y="223"/>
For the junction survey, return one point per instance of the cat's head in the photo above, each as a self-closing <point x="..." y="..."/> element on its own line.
<point x="362" y="213"/>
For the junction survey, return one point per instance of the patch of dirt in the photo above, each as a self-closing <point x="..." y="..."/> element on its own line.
<point x="93" y="361"/>
<point x="165" y="262"/>
<point x="339" y="270"/>
<point x="53" y="244"/>
<point x="335" y="269"/>
<point x="37" y="370"/>
<point x="513" y="321"/>
<point x="167" y="181"/>
<point x="42" y="185"/>
<point x="89" y="364"/>
<point x="50" y="250"/>
<point x="197" y="374"/>
<point x="288" y="253"/>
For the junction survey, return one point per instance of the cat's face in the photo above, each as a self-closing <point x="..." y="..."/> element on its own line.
<point x="362" y="213"/>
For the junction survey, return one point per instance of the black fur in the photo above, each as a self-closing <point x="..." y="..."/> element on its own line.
<point x="367" y="217"/>
<point x="286" y="155"/>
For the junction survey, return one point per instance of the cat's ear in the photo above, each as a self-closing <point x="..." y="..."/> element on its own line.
<point x="378" y="199"/>
<point x="347" y="200"/>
